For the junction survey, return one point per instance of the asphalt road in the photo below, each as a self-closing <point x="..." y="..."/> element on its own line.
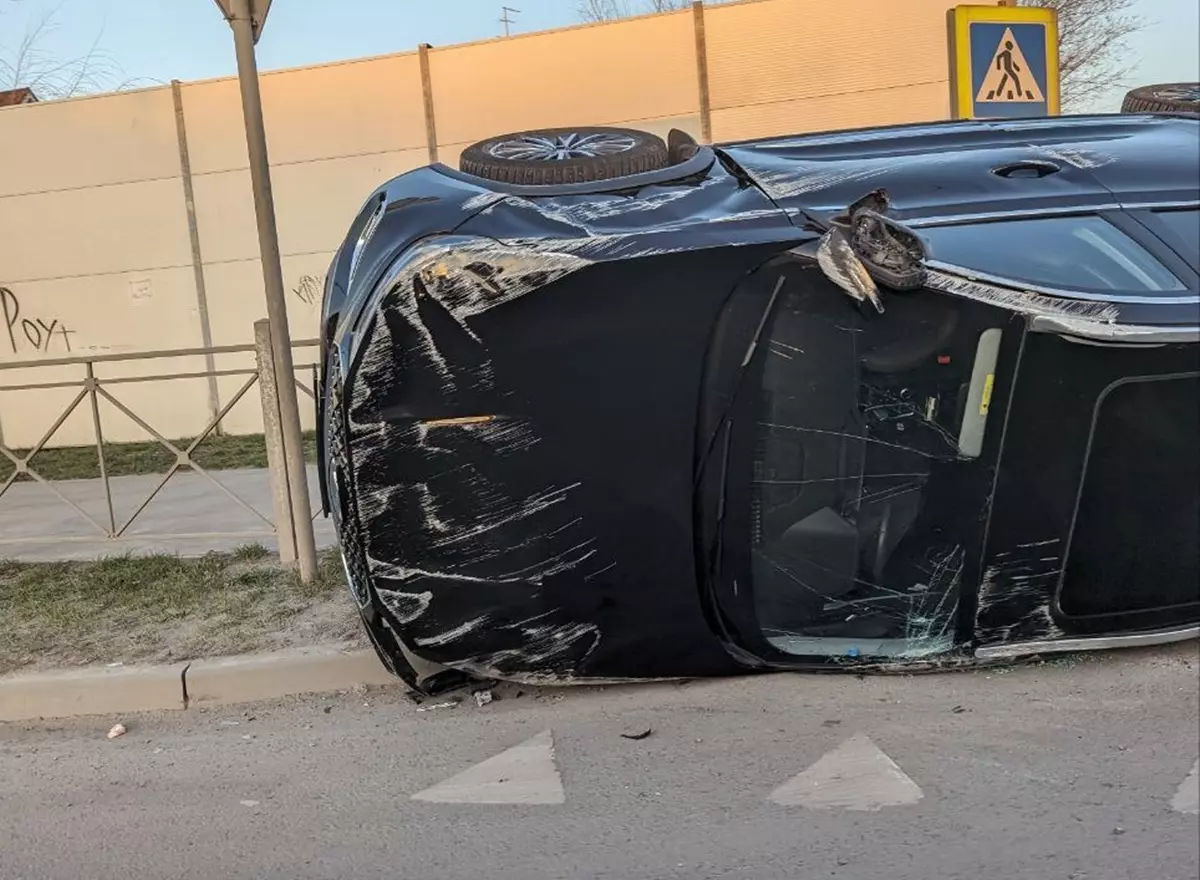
<point x="1075" y="770"/>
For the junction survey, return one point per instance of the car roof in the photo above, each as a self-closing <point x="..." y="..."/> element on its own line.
<point x="974" y="168"/>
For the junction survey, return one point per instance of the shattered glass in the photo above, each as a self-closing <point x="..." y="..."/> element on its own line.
<point x="864" y="502"/>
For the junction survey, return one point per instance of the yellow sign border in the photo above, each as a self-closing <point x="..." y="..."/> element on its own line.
<point x="958" y="24"/>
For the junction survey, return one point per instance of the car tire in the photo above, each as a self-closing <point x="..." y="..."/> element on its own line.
<point x="1163" y="98"/>
<point x="564" y="155"/>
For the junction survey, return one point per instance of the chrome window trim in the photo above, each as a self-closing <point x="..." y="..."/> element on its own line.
<point x="1087" y="643"/>
<point x="1090" y="296"/>
<point x="1125" y="335"/>
<point x="965" y="219"/>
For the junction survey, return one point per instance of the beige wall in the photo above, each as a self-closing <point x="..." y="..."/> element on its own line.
<point x="94" y="238"/>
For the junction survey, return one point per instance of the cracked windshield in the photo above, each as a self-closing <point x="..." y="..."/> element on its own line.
<point x="599" y="439"/>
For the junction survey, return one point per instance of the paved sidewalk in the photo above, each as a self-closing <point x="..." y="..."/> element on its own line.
<point x="37" y="526"/>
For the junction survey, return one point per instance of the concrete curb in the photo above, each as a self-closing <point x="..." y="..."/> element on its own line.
<point x="110" y="691"/>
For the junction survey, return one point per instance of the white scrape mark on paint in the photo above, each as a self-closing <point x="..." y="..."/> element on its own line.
<point x="583" y="214"/>
<point x="453" y="635"/>
<point x="803" y="178"/>
<point x="556" y="564"/>
<point x="528" y="508"/>
<point x="405" y="607"/>
<point x="856" y="775"/>
<point x="1022" y="583"/>
<point x="1082" y="159"/>
<point x="429" y="508"/>
<point x="483" y="200"/>
<point x="504" y="435"/>
<point x="541" y="646"/>
<point x="409" y="573"/>
<point x="1021" y="301"/>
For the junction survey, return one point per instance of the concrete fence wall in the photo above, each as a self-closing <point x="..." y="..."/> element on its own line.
<point x="126" y="220"/>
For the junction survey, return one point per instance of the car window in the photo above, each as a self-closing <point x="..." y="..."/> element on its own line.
<point x="1184" y="224"/>
<point x="1080" y="253"/>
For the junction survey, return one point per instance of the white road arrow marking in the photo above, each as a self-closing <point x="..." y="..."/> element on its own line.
<point x="854" y="776"/>
<point x="524" y="774"/>
<point x="1187" y="798"/>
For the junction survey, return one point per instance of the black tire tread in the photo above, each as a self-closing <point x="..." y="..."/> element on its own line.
<point x="1144" y="100"/>
<point x="650" y="154"/>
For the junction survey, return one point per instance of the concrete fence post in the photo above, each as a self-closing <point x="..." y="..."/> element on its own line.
<point x="431" y="137"/>
<point x="706" y="133"/>
<point x="285" y="524"/>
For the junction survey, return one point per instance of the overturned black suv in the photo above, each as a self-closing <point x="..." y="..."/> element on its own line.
<point x="600" y="407"/>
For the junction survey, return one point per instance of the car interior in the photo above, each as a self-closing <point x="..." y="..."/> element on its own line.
<point x="856" y="469"/>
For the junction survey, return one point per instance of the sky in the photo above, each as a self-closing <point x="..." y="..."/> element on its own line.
<point x="161" y="40"/>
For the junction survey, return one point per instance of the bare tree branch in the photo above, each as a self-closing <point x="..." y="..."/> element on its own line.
<point x="603" y="10"/>
<point x="31" y="63"/>
<point x="607" y="10"/>
<point x="1093" y="48"/>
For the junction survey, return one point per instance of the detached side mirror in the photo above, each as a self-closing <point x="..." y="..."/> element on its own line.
<point x="893" y="255"/>
<point x="863" y="247"/>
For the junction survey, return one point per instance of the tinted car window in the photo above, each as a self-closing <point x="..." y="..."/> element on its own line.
<point x="1185" y="225"/>
<point x="1083" y="253"/>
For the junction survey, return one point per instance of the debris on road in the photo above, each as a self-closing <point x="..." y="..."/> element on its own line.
<point x="482" y="698"/>
<point x="637" y="733"/>
<point x="117" y="730"/>
<point x="448" y="704"/>
<point x="248" y="803"/>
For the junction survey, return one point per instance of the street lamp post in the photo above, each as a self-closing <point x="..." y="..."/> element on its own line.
<point x="246" y="18"/>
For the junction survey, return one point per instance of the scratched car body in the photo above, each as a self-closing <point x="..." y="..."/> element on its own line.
<point x="906" y="396"/>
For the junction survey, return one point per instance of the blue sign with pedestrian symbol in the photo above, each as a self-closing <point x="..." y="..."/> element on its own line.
<point x="1004" y="61"/>
<point x="1008" y="69"/>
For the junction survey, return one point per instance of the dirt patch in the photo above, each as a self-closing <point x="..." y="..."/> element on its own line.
<point x="166" y="608"/>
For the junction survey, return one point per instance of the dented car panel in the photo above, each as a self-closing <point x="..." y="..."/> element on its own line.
<point x="765" y="415"/>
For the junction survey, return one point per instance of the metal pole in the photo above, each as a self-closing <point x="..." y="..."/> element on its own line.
<point x="701" y="34"/>
<point x="268" y="243"/>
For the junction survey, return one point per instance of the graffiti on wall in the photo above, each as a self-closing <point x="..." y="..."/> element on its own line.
<point x="31" y="333"/>
<point x="309" y="289"/>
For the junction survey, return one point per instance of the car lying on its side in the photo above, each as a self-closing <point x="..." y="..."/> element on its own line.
<point x="599" y="407"/>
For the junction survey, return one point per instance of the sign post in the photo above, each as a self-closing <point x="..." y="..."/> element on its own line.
<point x="247" y="18"/>
<point x="1003" y="62"/>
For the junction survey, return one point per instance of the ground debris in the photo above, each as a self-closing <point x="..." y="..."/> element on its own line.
<point x="117" y="730"/>
<point x="483" y="697"/>
<point x="637" y="733"/>
<point x="447" y="704"/>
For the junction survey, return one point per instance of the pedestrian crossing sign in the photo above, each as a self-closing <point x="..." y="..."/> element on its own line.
<point x="1003" y="62"/>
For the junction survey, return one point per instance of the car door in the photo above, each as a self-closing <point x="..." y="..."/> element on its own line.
<point x="1095" y="516"/>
